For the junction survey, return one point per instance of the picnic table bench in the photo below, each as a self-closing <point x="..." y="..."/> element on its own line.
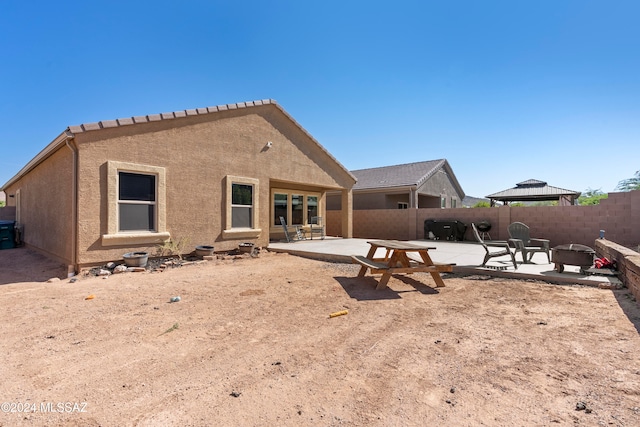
<point x="397" y="261"/>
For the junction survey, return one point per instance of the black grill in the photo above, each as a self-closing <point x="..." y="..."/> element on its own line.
<point x="483" y="226"/>
<point x="445" y="229"/>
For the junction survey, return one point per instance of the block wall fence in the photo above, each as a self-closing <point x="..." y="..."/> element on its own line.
<point x="618" y="215"/>
<point x="8" y="213"/>
<point x="628" y="263"/>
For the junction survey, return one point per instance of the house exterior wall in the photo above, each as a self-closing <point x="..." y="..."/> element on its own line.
<point x="197" y="155"/>
<point x="618" y="215"/>
<point x="364" y="201"/>
<point x="440" y="185"/>
<point x="379" y="200"/>
<point x="429" y="202"/>
<point x="45" y="196"/>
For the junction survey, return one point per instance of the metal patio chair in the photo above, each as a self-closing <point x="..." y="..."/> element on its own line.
<point x="317" y="226"/>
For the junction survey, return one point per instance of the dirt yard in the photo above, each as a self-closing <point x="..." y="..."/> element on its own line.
<point x="251" y="343"/>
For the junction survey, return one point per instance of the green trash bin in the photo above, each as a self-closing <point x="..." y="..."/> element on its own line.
<point x="7" y="234"/>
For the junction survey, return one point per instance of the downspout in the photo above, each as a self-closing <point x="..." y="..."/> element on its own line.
<point x="73" y="268"/>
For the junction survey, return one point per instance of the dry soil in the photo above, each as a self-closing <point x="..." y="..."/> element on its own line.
<point x="252" y="343"/>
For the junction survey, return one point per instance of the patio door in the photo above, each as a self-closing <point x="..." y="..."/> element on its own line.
<point x="296" y="207"/>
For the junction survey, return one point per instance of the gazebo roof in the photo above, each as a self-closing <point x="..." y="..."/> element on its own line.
<point x="533" y="190"/>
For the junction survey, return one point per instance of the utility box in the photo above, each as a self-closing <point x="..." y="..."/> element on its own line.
<point x="7" y="234"/>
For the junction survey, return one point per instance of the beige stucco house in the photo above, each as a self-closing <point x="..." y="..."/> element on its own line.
<point x="210" y="176"/>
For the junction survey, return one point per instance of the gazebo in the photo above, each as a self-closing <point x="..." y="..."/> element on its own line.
<point x="533" y="190"/>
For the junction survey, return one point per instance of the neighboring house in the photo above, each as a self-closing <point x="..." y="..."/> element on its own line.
<point x="210" y="176"/>
<point x="533" y="190"/>
<point x="430" y="184"/>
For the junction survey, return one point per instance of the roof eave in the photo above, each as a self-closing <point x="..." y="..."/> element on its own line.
<point x="53" y="146"/>
<point x="396" y="188"/>
<point x="550" y="197"/>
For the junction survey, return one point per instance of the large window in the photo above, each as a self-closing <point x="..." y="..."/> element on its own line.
<point x="136" y="202"/>
<point x="136" y="206"/>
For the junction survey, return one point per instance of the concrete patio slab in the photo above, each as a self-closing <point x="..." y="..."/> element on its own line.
<point x="467" y="257"/>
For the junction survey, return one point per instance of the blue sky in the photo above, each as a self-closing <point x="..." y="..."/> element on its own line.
<point x="504" y="90"/>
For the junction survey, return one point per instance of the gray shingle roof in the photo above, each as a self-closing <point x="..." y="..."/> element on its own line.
<point x="532" y="189"/>
<point x="396" y="175"/>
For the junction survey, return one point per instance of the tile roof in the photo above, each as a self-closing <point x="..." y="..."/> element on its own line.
<point x="396" y="175"/>
<point x="70" y="132"/>
<point x="85" y="127"/>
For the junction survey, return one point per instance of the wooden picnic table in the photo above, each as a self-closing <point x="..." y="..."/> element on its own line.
<point x="396" y="261"/>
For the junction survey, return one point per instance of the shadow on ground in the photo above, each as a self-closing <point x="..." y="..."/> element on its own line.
<point x="364" y="288"/>
<point x="20" y="265"/>
<point x="629" y="306"/>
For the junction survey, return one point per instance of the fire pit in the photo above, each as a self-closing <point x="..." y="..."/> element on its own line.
<point x="572" y="254"/>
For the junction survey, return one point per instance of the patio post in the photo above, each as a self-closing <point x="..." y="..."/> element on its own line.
<point x="347" y="214"/>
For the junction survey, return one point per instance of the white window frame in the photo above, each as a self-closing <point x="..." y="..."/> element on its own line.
<point x="254" y="231"/>
<point x="116" y="237"/>
<point x="403" y="205"/>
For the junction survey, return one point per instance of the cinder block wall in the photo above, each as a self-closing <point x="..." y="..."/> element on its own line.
<point x="8" y="213"/>
<point x="619" y="216"/>
<point x="628" y="263"/>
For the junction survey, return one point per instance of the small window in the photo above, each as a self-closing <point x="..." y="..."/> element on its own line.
<point x="453" y="202"/>
<point x="136" y="202"/>
<point x="241" y="205"/>
<point x="402" y="205"/>
<point x="241" y="213"/>
<point x="443" y="202"/>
